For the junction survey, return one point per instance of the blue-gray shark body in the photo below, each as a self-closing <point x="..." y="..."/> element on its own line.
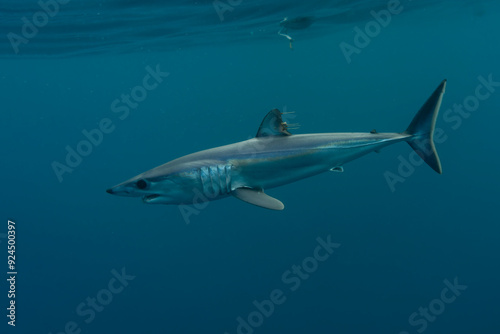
<point x="273" y="158"/>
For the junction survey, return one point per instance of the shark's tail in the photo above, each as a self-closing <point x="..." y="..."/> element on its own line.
<point x="422" y="126"/>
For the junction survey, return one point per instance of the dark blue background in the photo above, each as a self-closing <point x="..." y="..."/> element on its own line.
<point x="396" y="247"/>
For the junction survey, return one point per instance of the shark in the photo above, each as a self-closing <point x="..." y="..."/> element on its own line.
<point x="273" y="158"/>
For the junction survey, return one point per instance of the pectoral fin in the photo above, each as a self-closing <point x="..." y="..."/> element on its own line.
<point x="257" y="197"/>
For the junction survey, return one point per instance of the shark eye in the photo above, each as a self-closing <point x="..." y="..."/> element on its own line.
<point x="141" y="184"/>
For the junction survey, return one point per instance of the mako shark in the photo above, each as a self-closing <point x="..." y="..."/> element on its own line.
<point x="274" y="158"/>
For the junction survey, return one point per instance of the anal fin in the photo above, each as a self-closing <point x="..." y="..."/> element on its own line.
<point x="338" y="169"/>
<point x="258" y="198"/>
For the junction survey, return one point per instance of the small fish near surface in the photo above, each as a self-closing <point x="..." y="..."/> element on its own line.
<point x="274" y="158"/>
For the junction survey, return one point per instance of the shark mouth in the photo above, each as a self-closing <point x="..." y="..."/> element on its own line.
<point x="149" y="198"/>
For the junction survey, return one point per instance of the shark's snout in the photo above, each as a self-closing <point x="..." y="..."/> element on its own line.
<point x="121" y="190"/>
<point x="128" y="189"/>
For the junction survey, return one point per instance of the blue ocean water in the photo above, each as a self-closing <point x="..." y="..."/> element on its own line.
<point x="388" y="246"/>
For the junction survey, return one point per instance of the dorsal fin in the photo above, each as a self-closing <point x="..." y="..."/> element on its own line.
<point x="273" y="125"/>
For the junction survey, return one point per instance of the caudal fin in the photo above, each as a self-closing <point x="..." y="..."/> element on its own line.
<point x="422" y="126"/>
